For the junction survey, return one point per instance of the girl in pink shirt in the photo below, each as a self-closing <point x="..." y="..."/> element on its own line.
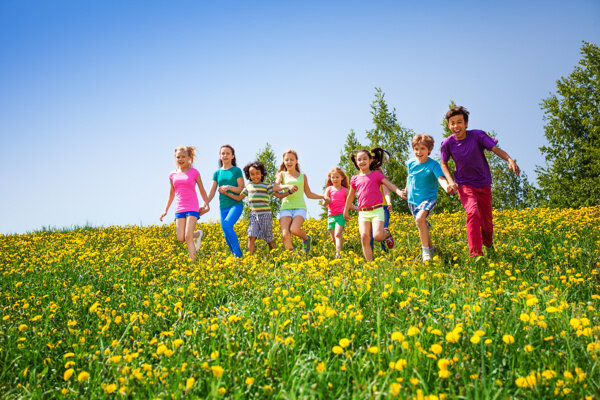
<point x="183" y="189"/>
<point x="336" y="189"/>
<point x="366" y="186"/>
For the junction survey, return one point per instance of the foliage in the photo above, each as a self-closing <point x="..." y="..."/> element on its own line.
<point x="121" y="312"/>
<point x="571" y="176"/>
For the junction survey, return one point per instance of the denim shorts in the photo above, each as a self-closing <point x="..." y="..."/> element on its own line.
<point x="293" y="212"/>
<point x="186" y="214"/>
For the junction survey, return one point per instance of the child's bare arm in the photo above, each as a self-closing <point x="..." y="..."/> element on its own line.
<point x="281" y="195"/>
<point x="512" y="164"/>
<point x="443" y="183"/>
<point x="169" y="201"/>
<point x="236" y="197"/>
<point x="309" y="193"/>
<point x="386" y="182"/>
<point x="349" y="201"/>
<point x="205" y="207"/>
<point x="452" y="186"/>
<point x="388" y="197"/>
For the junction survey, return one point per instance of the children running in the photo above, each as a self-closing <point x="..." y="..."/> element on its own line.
<point x="370" y="200"/>
<point x="335" y="198"/>
<point x="421" y="190"/>
<point x="472" y="177"/>
<point x="183" y="189"/>
<point x="259" y="193"/>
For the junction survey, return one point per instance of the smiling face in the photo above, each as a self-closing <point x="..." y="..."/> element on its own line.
<point x="363" y="160"/>
<point x="226" y="156"/>
<point x="421" y="151"/>
<point x="458" y="126"/>
<point x="290" y="161"/>
<point x="182" y="159"/>
<point x="255" y="175"/>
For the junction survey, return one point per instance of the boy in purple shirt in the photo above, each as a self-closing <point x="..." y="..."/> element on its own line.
<point x="472" y="177"/>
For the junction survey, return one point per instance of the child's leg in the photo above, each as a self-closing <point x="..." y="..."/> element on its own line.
<point x="484" y="201"/>
<point x="229" y="217"/>
<point x="271" y="244"/>
<point x="296" y="228"/>
<point x="286" y="235"/>
<point x="421" y="222"/>
<point x="378" y="233"/>
<point x="339" y="238"/>
<point x="386" y="225"/>
<point x="332" y="235"/>
<point x="251" y="244"/>
<point x="364" y="228"/>
<point x="190" y="225"/>
<point x="180" y="229"/>
<point x="468" y="198"/>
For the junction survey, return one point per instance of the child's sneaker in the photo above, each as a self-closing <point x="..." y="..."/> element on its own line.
<point x="307" y="244"/>
<point x="426" y="257"/>
<point x="198" y="239"/>
<point x="389" y="240"/>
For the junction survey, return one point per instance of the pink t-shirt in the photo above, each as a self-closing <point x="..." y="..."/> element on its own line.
<point x="367" y="188"/>
<point x="185" y="190"/>
<point x="338" y="201"/>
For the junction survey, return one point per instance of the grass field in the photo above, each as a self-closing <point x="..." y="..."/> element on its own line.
<point x="121" y="312"/>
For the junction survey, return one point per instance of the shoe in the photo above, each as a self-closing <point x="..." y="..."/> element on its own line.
<point x="432" y="250"/>
<point x="389" y="240"/>
<point x="426" y="257"/>
<point x="307" y="243"/>
<point x="198" y="240"/>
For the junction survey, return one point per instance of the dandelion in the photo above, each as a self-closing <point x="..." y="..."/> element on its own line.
<point x="413" y="330"/>
<point x="344" y="343"/>
<point x="110" y="388"/>
<point x="373" y="349"/>
<point x="320" y="367"/>
<point x="398" y="337"/>
<point x="395" y="389"/>
<point x="93" y="307"/>
<point x="337" y="350"/>
<point x="435" y="349"/>
<point x="22" y="327"/>
<point x="217" y="371"/>
<point x="249" y="381"/>
<point x="189" y="383"/>
<point x="508" y="339"/>
<point x="68" y="373"/>
<point x="83" y="376"/>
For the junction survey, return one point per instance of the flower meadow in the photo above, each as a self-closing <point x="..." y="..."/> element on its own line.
<point x="121" y="312"/>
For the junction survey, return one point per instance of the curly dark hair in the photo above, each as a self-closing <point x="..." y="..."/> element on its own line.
<point x="376" y="155"/>
<point x="257" y="165"/>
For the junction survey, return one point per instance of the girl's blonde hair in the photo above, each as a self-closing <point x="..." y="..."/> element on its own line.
<point x="340" y="172"/>
<point x="190" y="150"/>
<point x="282" y="167"/>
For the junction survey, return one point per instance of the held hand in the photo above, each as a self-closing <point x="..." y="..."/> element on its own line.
<point x="293" y="189"/>
<point x="326" y="200"/>
<point x="222" y="189"/>
<point x="512" y="165"/>
<point x="346" y="216"/>
<point x="389" y="206"/>
<point x="452" y="189"/>
<point x="403" y="194"/>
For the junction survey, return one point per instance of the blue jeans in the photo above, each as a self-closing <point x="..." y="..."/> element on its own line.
<point x="229" y="217"/>
<point x="386" y="224"/>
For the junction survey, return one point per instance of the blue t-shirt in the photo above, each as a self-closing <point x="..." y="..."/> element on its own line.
<point x="227" y="177"/>
<point x="422" y="183"/>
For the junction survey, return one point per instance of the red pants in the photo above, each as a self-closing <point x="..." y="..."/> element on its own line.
<point x="477" y="203"/>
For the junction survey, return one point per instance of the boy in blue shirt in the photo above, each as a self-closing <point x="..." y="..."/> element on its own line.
<point x="421" y="190"/>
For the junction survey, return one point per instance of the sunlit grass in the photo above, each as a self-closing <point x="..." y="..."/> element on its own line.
<point x="121" y="311"/>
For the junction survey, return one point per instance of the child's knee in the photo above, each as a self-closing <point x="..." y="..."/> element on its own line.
<point x="296" y="231"/>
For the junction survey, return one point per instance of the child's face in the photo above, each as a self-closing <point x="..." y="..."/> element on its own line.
<point x="363" y="161"/>
<point x="225" y="155"/>
<point x="182" y="159"/>
<point x="458" y="126"/>
<point x="255" y="175"/>
<point x="336" y="179"/>
<point x="290" y="161"/>
<point x="421" y="152"/>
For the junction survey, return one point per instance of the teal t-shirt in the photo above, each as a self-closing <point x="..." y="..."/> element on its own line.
<point x="422" y="180"/>
<point x="227" y="177"/>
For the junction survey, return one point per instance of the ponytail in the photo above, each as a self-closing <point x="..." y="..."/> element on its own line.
<point x="377" y="156"/>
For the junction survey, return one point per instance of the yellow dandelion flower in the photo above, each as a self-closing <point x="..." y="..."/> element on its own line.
<point x="436" y="349"/>
<point x="217" y="371"/>
<point x="373" y="349"/>
<point x="337" y="350"/>
<point x="344" y="343"/>
<point x="508" y="339"/>
<point x="83" y="376"/>
<point x="189" y="383"/>
<point x="249" y="381"/>
<point x="68" y="373"/>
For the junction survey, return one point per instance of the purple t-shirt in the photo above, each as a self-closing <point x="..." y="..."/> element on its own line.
<point x="185" y="190"/>
<point x="367" y="188"/>
<point x="472" y="168"/>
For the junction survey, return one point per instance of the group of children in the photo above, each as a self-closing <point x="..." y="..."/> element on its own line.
<point x="472" y="180"/>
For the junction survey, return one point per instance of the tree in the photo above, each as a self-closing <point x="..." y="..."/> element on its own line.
<point x="571" y="177"/>
<point x="391" y="136"/>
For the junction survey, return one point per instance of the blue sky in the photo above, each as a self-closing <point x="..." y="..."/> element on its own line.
<point x="95" y="95"/>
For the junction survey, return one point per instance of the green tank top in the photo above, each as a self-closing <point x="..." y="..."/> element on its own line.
<point x="295" y="200"/>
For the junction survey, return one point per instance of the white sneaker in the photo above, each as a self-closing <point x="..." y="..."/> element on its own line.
<point x="426" y="257"/>
<point x="198" y="240"/>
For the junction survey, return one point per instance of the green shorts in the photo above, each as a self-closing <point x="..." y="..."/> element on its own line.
<point x="332" y="220"/>
<point x="373" y="215"/>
